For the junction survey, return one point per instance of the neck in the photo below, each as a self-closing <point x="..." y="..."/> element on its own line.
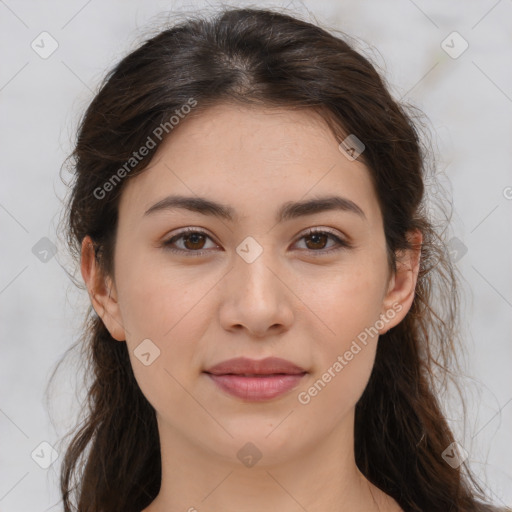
<point x="323" y="478"/>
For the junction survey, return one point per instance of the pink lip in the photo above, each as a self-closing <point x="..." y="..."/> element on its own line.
<point x="256" y="380"/>
<point x="256" y="389"/>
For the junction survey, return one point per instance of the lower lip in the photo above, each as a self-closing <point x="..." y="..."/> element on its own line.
<point x="256" y="389"/>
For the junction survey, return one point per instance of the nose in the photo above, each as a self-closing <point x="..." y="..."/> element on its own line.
<point x="257" y="297"/>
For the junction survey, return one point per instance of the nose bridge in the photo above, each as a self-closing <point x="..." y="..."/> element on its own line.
<point x="252" y="265"/>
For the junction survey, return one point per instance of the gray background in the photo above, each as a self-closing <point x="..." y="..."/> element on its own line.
<point x="468" y="100"/>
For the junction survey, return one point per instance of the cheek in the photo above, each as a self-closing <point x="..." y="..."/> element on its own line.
<point x="349" y="299"/>
<point x="169" y="308"/>
<point x="174" y="318"/>
<point x="156" y="299"/>
<point x="333" y="392"/>
<point x="349" y="306"/>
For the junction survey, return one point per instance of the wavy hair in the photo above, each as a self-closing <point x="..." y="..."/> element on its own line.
<point x="263" y="57"/>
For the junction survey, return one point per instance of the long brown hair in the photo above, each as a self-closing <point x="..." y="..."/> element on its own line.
<point x="267" y="58"/>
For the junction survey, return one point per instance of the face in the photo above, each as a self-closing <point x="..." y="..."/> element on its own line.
<point x="251" y="280"/>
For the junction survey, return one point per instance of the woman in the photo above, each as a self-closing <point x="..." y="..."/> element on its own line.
<point x="249" y="216"/>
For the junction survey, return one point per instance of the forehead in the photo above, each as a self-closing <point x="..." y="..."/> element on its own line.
<point x="250" y="156"/>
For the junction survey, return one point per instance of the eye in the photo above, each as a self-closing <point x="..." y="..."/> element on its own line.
<point x="317" y="241"/>
<point x="193" y="242"/>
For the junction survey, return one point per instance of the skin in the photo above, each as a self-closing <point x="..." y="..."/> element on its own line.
<point x="289" y="302"/>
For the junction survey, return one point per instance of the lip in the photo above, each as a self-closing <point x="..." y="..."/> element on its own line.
<point x="256" y="380"/>
<point x="244" y="365"/>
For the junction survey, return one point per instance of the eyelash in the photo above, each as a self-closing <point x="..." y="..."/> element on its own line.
<point x="342" y="244"/>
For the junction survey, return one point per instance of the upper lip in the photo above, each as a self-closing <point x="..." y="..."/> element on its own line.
<point x="267" y="366"/>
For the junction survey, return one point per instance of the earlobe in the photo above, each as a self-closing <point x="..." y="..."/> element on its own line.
<point x="402" y="284"/>
<point x="101" y="291"/>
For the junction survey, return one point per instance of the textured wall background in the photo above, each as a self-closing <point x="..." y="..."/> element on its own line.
<point x="465" y="92"/>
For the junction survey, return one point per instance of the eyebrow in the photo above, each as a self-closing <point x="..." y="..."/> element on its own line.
<point x="288" y="211"/>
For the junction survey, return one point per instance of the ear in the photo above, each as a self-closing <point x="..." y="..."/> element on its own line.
<point x="101" y="290"/>
<point x="402" y="283"/>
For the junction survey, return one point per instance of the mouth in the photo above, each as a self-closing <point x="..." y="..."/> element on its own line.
<point x="256" y="388"/>
<point x="256" y="380"/>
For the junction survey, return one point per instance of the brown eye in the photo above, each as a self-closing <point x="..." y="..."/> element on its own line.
<point x="318" y="240"/>
<point x="191" y="241"/>
<point x="194" y="241"/>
